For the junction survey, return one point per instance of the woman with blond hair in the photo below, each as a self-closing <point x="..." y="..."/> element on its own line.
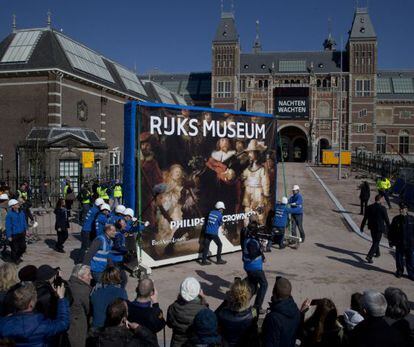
<point x="237" y="320"/>
<point x="8" y="278"/>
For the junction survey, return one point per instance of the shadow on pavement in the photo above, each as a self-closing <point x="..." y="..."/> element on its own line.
<point x="213" y="287"/>
<point x="76" y="255"/>
<point x="50" y="243"/>
<point x="343" y="211"/>
<point x="342" y="251"/>
<point x="361" y="265"/>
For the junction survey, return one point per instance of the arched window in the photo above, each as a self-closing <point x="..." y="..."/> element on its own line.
<point x="381" y="142"/>
<point x="260" y="84"/>
<point x="404" y="142"/>
<point x="324" y="109"/>
<point x="318" y="83"/>
<point x="259" y="106"/>
<point x="325" y="83"/>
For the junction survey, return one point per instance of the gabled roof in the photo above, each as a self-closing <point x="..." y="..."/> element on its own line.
<point x="267" y="62"/>
<point x="57" y="137"/>
<point x="50" y="52"/>
<point x="362" y="28"/>
<point x="226" y="31"/>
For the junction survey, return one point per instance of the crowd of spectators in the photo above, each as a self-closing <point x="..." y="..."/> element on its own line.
<point x="39" y="308"/>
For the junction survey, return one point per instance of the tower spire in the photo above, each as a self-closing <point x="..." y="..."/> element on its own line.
<point x="257" y="46"/>
<point x="49" y="19"/>
<point x="222" y="6"/>
<point x="14" y="26"/>
<point x="329" y="44"/>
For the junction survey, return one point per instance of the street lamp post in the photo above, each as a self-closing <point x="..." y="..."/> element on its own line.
<point x="340" y="121"/>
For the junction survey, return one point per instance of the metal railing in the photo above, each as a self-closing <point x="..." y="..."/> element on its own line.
<point x="381" y="166"/>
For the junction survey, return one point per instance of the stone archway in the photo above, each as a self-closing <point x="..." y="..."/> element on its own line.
<point x="295" y="144"/>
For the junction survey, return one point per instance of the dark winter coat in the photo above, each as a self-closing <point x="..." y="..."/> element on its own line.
<point x="377" y="218"/>
<point x="238" y="328"/>
<point x="364" y="191"/>
<point x="402" y="232"/>
<point x="281" y="324"/>
<point x="62" y="221"/>
<point x="180" y="316"/>
<point x="79" y="312"/>
<point x="146" y="314"/>
<point x="30" y="329"/>
<point x="123" y="337"/>
<point x="375" y="332"/>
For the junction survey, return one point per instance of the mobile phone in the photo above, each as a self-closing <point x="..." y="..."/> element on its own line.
<point x="58" y="281"/>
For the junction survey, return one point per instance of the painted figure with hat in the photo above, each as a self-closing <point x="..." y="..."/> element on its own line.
<point x="256" y="180"/>
<point x="16" y="228"/>
<point x="401" y="235"/>
<point x="296" y="201"/>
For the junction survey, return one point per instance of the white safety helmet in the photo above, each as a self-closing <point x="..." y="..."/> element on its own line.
<point x="120" y="209"/>
<point x="13" y="202"/>
<point x="220" y="205"/>
<point x="295" y="187"/>
<point x="105" y="207"/>
<point x="284" y="200"/>
<point x="99" y="202"/>
<point x="4" y="197"/>
<point x="129" y="212"/>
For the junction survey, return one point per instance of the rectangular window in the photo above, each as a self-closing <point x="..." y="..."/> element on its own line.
<point x="381" y="144"/>
<point x="405" y="114"/>
<point x="243" y="86"/>
<point x="361" y="128"/>
<point x="363" y="113"/>
<point x="404" y="143"/>
<point x="362" y="88"/>
<point x="114" y="164"/>
<point x="223" y="89"/>
<point x="69" y="169"/>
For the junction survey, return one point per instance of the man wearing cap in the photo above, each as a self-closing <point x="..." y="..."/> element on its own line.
<point x="117" y="214"/>
<point x="211" y="233"/>
<point x="280" y="222"/>
<point x="102" y="219"/>
<point x="401" y="236"/>
<point x="16" y="227"/>
<point x="296" y="201"/>
<point x="89" y="223"/>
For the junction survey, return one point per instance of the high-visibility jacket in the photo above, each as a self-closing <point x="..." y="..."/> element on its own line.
<point x="100" y="259"/>
<point x="383" y="184"/>
<point x="22" y="194"/>
<point x="118" y="191"/>
<point x="86" y="196"/>
<point x="103" y="192"/>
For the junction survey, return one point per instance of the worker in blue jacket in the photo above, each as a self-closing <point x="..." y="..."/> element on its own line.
<point x="99" y="253"/>
<point x="211" y="232"/>
<point x="296" y="201"/>
<point x="117" y="214"/>
<point x="16" y="227"/>
<point x="253" y="259"/>
<point x="102" y="219"/>
<point x="89" y="224"/>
